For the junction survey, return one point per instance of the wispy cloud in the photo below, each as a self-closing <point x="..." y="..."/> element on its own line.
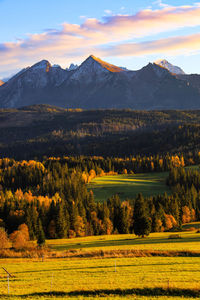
<point x="160" y="3"/>
<point x="74" y="41"/>
<point x="183" y="45"/>
<point x="108" y="11"/>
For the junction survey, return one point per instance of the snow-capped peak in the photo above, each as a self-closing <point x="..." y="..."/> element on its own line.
<point x="171" y="68"/>
<point x="1" y="82"/>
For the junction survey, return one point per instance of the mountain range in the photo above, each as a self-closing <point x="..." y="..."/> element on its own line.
<point x="96" y="84"/>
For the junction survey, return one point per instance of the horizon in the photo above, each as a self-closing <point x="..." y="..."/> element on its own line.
<point x="120" y="33"/>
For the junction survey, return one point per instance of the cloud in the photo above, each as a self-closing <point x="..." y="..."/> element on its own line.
<point x="108" y="12"/>
<point x="74" y="41"/>
<point x="183" y="45"/>
<point x="160" y="3"/>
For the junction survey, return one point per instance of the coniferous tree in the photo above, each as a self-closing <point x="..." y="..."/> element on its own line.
<point x="123" y="220"/>
<point x="62" y="221"/>
<point x="40" y="234"/>
<point x="141" y="225"/>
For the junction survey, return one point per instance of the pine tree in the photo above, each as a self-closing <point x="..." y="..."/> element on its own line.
<point x="141" y="225"/>
<point x="40" y="234"/>
<point x="62" y="221"/>
<point x="123" y="220"/>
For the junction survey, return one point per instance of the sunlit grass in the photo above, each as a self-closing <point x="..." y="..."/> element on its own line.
<point x="108" y="278"/>
<point x="128" y="186"/>
<point x="190" y="241"/>
<point x="99" y="274"/>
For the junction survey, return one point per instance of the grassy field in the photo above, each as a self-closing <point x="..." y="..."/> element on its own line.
<point x="189" y="241"/>
<point x="108" y="278"/>
<point x="128" y="186"/>
<point x="132" y="278"/>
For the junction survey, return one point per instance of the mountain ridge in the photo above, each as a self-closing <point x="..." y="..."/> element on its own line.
<point x="96" y="84"/>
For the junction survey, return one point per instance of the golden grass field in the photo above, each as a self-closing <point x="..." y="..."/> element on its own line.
<point x="107" y="277"/>
<point x="190" y="241"/>
<point x="84" y="278"/>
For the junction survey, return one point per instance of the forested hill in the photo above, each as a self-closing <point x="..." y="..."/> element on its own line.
<point x="35" y="131"/>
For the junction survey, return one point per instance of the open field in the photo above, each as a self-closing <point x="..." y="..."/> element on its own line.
<point x="128" y="186"/>
<point x="190" y="241"/>
<point x="108" y="278"/>
<point x="133" y="278"/>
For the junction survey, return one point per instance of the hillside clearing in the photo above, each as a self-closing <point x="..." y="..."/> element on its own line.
<point x="128" y="186"/>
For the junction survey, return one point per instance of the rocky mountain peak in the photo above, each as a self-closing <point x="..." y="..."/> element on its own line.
<point x="152" y="70"/>
<point x="72" y="67"/>
<point x="105" y="65"/>
<point x="94" y="67"/>
<point x="171" y="68"/>
<point x="42" y="65"/>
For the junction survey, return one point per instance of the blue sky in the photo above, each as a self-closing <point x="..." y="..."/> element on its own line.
<point x="124" y="32"/>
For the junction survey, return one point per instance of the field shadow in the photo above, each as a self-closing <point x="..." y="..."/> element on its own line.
<point x="125" y="242"/>
<point x="157" y="291"/>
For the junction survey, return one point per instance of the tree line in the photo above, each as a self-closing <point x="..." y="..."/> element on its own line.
<point x="52" y="199"/>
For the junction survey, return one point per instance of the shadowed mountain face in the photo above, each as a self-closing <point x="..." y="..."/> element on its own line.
<point x="98" y="84"/>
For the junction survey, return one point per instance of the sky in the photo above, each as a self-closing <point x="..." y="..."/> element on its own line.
<point x="126" y="33"/>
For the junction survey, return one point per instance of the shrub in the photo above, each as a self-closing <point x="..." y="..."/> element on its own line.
<point x="174" y="236"/>
<point x="18" y="240"/>
<point x="24" y="229"/>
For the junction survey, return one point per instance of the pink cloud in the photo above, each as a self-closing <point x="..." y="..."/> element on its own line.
<point x="183" y="45"/>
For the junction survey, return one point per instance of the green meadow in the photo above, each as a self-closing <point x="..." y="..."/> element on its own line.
<point x="128" y="186"/>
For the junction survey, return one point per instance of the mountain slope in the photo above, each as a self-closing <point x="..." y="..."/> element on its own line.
<point x="32" y="85"/>
<point x="97" y="84"/>
<point x="1" y="82"/>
